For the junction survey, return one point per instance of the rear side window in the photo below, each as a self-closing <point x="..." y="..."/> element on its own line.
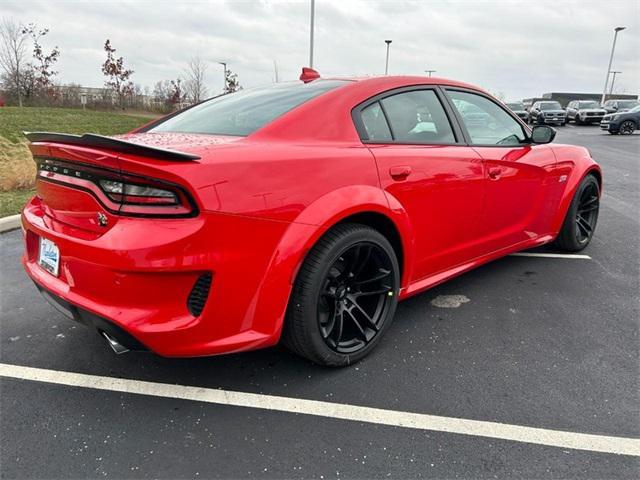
<point x="417" y="116"/>
<point x="244" y="112"/>
<point x="376" y="124"/>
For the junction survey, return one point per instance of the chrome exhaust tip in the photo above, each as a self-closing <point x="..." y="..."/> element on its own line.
<point x="114" y="344"/>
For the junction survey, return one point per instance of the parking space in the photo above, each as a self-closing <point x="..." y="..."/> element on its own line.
<point x="534" y="341"/>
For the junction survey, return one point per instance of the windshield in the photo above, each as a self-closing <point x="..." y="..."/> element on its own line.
<point x="588" y="104"/>
<point x="515" y="106"/>
<point x="628" y="103"/>
<point x="246" y="111"/>
<point x="550" y="106"/>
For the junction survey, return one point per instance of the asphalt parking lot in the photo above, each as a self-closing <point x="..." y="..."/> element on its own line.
<point x="544" y="342"/>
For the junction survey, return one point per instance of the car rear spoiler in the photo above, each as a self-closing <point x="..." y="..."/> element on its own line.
<point x="109" y="143"/>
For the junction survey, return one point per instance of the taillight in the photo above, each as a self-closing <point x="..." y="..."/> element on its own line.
<point x="121" y="193"/>
<point x="138" y="194"/>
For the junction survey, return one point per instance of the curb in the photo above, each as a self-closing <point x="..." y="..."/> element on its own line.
<point x="11" y="222"/>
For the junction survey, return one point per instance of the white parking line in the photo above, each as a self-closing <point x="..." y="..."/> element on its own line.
<point x="551" y="255"/>
<point x="503" y="431"/>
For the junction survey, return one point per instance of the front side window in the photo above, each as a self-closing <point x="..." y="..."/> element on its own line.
<point x="485" y="121"/>
<point x="417" y="116"/>
<point x="244" y="112"/>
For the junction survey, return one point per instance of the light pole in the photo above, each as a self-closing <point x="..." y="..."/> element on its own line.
<point x="386" y="65"/>
<point x="613" y="49"/>
<point x="313" y="14"/>
<point x="429" y="72"/>
<point x="613" y="80"/>
<point x="225" y="76"/>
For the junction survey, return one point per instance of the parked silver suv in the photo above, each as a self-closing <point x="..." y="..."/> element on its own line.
<point x="585" y="111"/>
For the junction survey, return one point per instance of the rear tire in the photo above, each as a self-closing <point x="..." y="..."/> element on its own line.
<point x="580" y="222"/>
<point x="344" y="297"/>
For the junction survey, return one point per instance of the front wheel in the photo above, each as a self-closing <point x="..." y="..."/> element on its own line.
<point x="627" y="127"/>
<point x="580" y="222"/>
<point x="344" y="296"/>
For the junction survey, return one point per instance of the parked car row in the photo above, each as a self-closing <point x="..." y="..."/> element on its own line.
<point x="615" y="116"/>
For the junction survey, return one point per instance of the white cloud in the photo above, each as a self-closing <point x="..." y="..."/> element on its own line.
<point x="520" y="48"/>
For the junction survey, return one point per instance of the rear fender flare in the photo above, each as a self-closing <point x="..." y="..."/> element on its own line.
<point x="273" y="295"/>
<point x="572" y="185"/>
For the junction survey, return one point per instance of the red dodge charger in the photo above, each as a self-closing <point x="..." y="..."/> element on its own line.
<point x="300" y="211"/>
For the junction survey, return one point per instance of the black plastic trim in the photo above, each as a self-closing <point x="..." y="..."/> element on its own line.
<point x="108" y="143"/>
<point x="199" y="294"/>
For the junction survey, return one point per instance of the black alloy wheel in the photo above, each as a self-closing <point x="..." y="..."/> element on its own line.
<point x="582" y="216"/>
<point x="627" y="127"/>
<point x="587" y="213"/>
<point x="344" y="296"/>
<point x="355" y="296"/>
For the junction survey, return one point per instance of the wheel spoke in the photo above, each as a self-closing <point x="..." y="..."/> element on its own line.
<point x="584" y="226"/>
<point x="383" y="273"/>
<point x="366" y="316"/>
<point x="357" y="324"/>
<point x="336" y="331"/>
<point x="582" y="210"/>
<point x="362" y="262"/>
<point x="380" y="291"/>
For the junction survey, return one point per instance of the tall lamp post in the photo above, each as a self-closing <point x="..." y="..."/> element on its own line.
<point x="613" y="80"/>
<point x="225" y="76"/>
<point x="613" y="49"/>
<point x="429" y="72"/>
<point x="386" y="65"/>
<point x="313" y="14"/>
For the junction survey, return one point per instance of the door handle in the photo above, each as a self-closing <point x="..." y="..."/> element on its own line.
<point x="494" y="173"/>
<point x="400" y="172"/>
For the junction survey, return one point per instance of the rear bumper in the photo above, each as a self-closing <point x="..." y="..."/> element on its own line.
<point x="138" y="276"/>
<point x="100" y="324"/>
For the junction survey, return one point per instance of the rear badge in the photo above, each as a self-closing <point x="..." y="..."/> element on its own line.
<point x="102" y="219"/>
<point x="563" y="178"/>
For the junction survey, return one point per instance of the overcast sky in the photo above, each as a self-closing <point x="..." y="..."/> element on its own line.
<point x="518" y="48"/>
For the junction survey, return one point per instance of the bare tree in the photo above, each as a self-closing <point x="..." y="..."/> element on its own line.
<point x="12" y="53"/>
<point x="195" y="87"/>
<point x="43" y="68"/>
<point x="117" y="76"/>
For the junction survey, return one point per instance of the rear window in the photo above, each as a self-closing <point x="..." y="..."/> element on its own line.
<point x="246" y="111"/>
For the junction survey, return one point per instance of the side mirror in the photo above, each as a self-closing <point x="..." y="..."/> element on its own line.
<point x="542" y="134"/>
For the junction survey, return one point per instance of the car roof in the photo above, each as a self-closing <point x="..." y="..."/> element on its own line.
<point x="309" y="120"/>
